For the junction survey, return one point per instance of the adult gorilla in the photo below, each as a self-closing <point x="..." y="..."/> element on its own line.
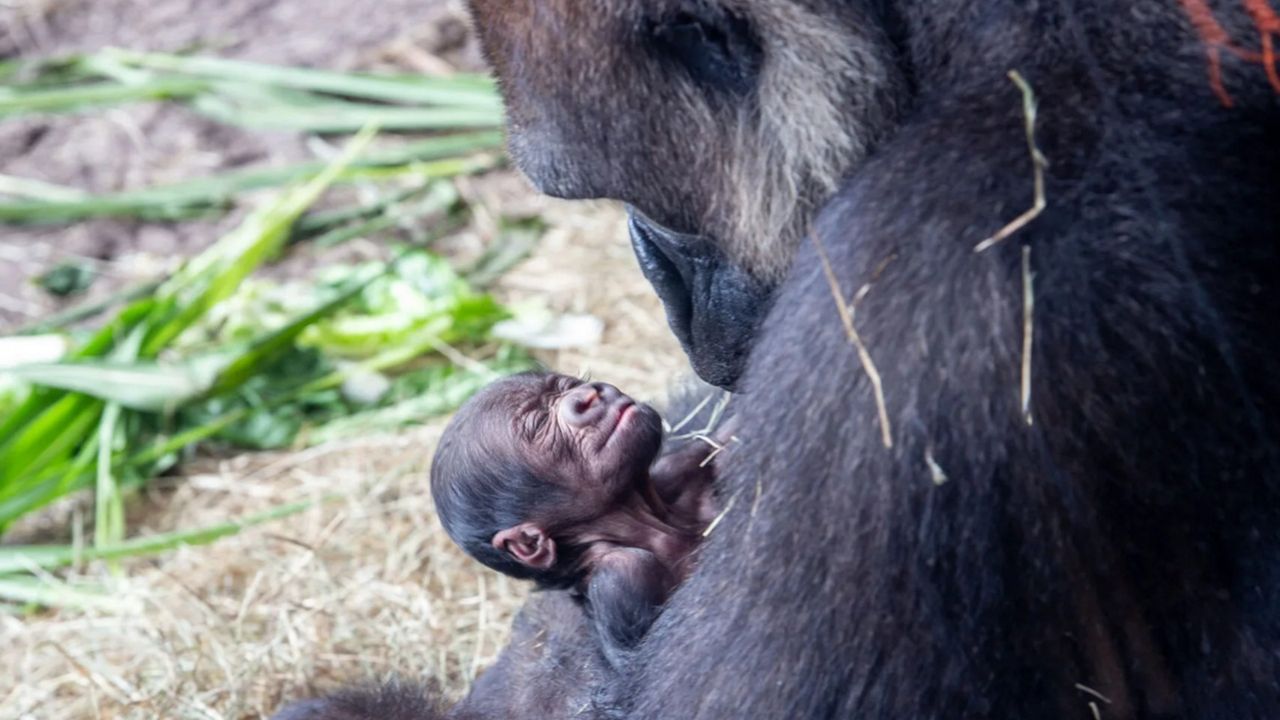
<point x="932" y="515"/>
<point x="964" y="556"/>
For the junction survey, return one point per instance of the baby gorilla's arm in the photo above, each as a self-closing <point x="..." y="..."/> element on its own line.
<point x="684" y="473"/>
<point x="684" y="478"/>
<point x="624" y="596"/>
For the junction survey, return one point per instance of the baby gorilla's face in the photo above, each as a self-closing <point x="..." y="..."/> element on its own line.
<point x="588" y="437"/>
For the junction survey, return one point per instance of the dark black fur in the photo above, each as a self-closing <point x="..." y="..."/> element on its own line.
<point x="1128" y="540"/>
<point x="551" y="668"/>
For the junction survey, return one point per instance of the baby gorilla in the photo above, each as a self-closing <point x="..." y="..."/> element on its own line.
<point x="560" y="481"/>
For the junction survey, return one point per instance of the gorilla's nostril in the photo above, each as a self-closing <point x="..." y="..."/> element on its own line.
<point x="584" y="401"/>
<point x="606" y="392"/>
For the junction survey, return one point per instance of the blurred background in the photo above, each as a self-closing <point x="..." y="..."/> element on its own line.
<point x="252" y="253"/>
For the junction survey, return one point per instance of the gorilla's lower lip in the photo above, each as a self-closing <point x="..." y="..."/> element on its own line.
<point x="712" y="304"/>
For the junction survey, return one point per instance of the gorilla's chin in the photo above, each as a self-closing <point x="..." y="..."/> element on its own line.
<point x="713" y="306"/>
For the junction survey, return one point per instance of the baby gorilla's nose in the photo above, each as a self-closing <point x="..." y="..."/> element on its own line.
<point x="588" y="403"/>
<point x="608" y="393"/>
<point x="582" y="405"/>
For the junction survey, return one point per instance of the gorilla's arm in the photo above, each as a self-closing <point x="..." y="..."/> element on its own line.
<point x="983" y="566"/>
<point x="624" y="597"/>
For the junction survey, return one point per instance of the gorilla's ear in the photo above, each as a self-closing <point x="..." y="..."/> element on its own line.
<point x="529" y="544"/>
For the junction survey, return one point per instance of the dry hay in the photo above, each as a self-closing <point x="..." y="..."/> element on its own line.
<point x="361" y="587"/>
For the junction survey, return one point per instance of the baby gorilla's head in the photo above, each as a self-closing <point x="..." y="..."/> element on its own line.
<point x="530" y="461"/>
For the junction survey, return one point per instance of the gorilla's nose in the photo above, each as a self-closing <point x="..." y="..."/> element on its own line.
<point x="608" y="393"/>
<point x="582" y="405"/>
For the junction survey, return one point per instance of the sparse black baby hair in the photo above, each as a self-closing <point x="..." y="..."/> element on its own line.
<point x="480" y="491"/>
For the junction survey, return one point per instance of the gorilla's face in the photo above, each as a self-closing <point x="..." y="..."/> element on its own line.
<point x="722" y="124"/>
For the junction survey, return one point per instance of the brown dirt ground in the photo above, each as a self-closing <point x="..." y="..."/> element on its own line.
<point x="363" y="587"/>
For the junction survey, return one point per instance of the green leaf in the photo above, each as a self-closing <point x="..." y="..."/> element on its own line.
<point x="138" y="386"/>
<point x="19" y="558"/>
<point x="439" y="391"/>
<point x="68" y="278"/>
<point x="459" y="91"/>
<point x="52" y="436"/>
<point x="246" y="365"/>
<point x="216" y="273"/>
<point x="338" y="117"/>
<point x="431" y="158"/>
<point x="45" y="482"/>
<point x="12" y="393"/>
<point x="108" y="503"/>
<point x="264" y="430"/>
<point x="80" y="96"/>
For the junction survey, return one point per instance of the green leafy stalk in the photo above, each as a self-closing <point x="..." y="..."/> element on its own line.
<point x="235" y="256"/>
<point x="108" y="502"/>
<point x="51" y="427"/>
<point x="80" y="96"/>
<point x="340" y="117"/>
<point x="462" y="91"/>
<point x="246" y="365"/>
<point x="20" y="558"/>
<point x="426" y="159"/>
<point x="52" y="482"/>
<point x="138" y="386"/>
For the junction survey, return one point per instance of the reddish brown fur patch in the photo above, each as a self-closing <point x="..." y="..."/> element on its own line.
<point x="1268" y="23"/>
<point x="1216" y="39"/>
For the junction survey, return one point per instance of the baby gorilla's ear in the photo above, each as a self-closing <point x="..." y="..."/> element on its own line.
<point x="528" y="544"/>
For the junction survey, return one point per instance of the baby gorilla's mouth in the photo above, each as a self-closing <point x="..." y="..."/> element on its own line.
<point x="624" y="408"/>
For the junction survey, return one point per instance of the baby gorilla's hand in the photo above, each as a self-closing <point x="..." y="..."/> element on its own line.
<point x="624" y="596"/>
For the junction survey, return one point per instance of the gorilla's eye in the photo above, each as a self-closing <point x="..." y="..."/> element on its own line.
<point x="717" y="49"/>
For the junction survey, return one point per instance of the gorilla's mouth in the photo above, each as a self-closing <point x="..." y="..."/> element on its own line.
<point x="654" y="246"/>
<point x="712" y="305"/>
